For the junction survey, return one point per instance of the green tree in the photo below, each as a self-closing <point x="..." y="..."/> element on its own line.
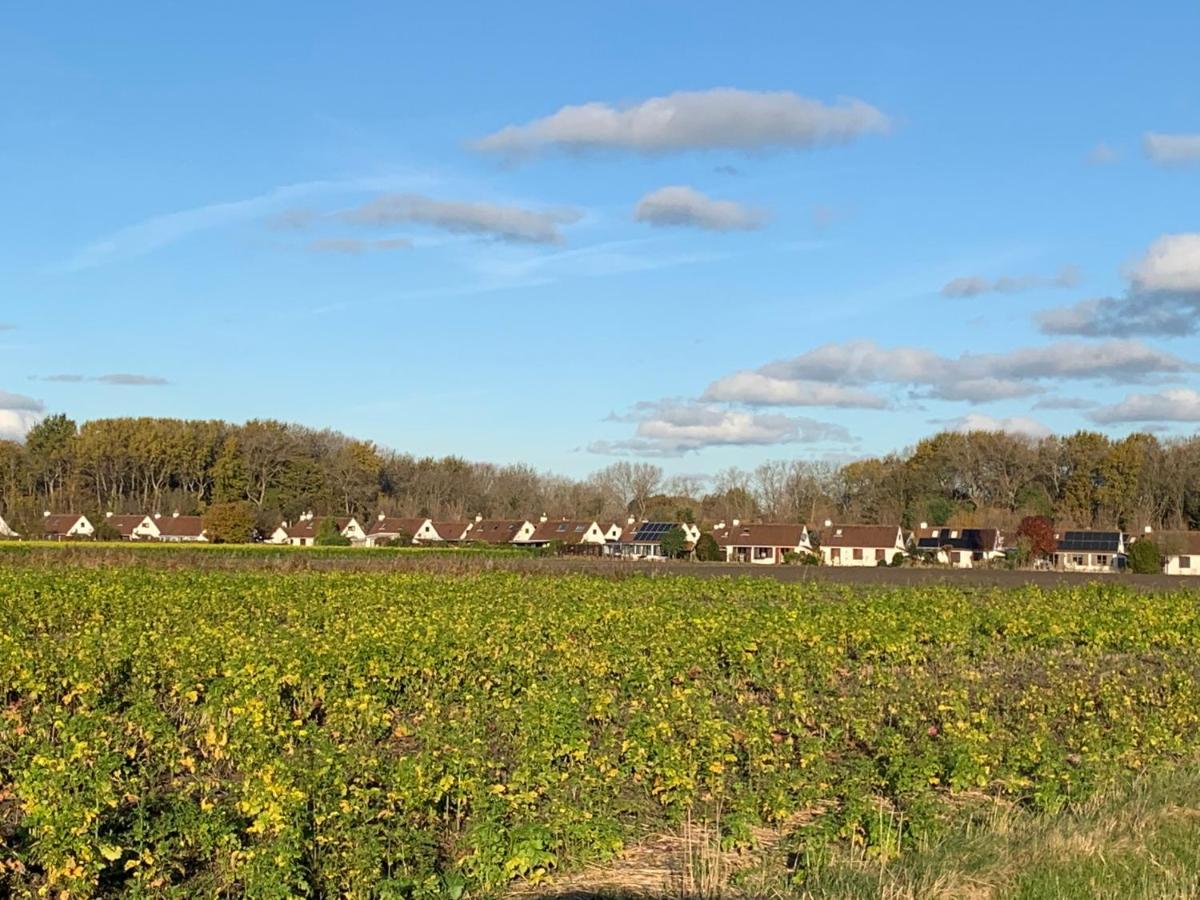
<point x="708" y="550"/>
<point x="230" y="523"/>
<point x="329" y="535"/>
<point x="1145" y="558"/>
<point x="105" y="531"/>
<point x="674" y="543"/>
<point x="51" y="445"/>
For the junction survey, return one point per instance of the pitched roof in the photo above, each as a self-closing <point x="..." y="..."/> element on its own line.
<point x="495" y="531"/>
<point x="860" y="536"/>
<point x="397" y="525"/>
<point x="1175" y="543"/>
<point x="761" y="534"/>
<point x="125" y="524"/>
<point x="982" y="539"/>
<point x="450" y="531"/>
<point x="180" y="526"/>
<point x="564" y="531"/>
<point x="59" y="523"/>
<point x="1089" y="542"/>
<point x="305" y="528"/>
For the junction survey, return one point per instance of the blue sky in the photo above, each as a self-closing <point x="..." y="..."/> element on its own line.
<point x="564" y="234"/>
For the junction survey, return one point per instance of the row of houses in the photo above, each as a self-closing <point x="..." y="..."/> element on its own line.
<point x="756" y="543"/>
<point x="157" y="527"/>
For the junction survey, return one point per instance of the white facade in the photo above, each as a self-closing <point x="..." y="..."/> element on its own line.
<point x="1182" y="564"/>
<point x="5" y="530"/>
<point x="856" y="545"/>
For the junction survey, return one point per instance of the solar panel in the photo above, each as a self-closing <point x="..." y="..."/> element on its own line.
<point x="652" y="531"/>
<point x="1090" y="541"/>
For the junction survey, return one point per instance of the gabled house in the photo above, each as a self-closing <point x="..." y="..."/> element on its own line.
<point x="63" y="526"/>
<point x="389" y="528"/>
<point x="614" y="530"/>
<point x="451" y="532"/>
<point x="133" y="527"/>
<point x="962" y="548"/>
<point x="304" y="532"/>
<point x="1180" y="550"/>
<point x="1090" y="551"/>
<point x="578" y="535"/>
<point x="177" y="529"/>
<point x="861" y="545"/>
<point x="643" y="540"/>
<point x="761" y="543"/>
<point x="501" y="531"/>
<point x="6" y="531"/>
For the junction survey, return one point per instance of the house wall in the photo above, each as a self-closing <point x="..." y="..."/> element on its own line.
<point x="1175" y="564"/>
<point x="966" y="558"/>
<point x="5" y="531"/>
<point x="355" y="532"/>
<point x="82" y="528"/>
<point x="1089" y="562"/>
<point x="846" y="555"/>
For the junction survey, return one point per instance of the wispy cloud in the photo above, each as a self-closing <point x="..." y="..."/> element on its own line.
<point x="120" y="379"/>
<point x="721" y="118"/>
<point x="161" y="231"/>
<point x="1102" y="155"/>
<point x="355" y="245"/>
<point x="974" y="285"/>
<point x="504" y="223"/>
<point x="7" y="326"/>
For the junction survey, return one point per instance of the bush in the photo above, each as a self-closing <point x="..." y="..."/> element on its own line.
<point x="1145" y="558"/>
<point x="674" y="543"/>
<point x="801" y="559"/>
<point x="106" y="531"/>
<point x="329" y="535"/>
<point x="897" y="560"/>
<point x="708" y="550"/>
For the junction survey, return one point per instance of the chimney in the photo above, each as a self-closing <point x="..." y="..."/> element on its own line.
<point x="1148" y="530"/>
<point x="46" y="514"/>
<point x="478" y="517"/>
<point x="381" y="517"/>
<point x="542" y="518"/>
<point x="737" y="522"/>
<point x="924" y="526"/>
<point x="720" y="526"/>
<point x="828" y="523"/>
<point x="175" y="515"/>
<point x="158" y="515"/>
<point x="108" y="515"/>
<point x="630" y="520"/>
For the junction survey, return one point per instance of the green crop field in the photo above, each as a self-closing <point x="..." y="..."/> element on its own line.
<point x="415" y="735"/>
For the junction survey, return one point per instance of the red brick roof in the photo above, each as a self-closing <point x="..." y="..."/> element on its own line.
<point x="761" y="535"/>
<point x="180" y="526"/>
<point x="860" y="536"/>
<point x="396" y="525"/>
<point x="450" y="531"/>
<point x="566" y="532"/>
<point x="305" y="528"/>
<point x="125" y="524"/>
<point x="495" y="531"/>
<point x="1175" y="543"/>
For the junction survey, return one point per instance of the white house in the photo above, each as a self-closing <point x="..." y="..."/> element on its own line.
<point x="643" y="540"/>
<point x="1090" y="551"/>
<point x="177" y="529"/>
<point x="6" y="531"/>
<point x="303" y="533"/>
<point x="389" y="528"/>
<point x="570" y="534"/>
<point x="1180" y="551"/>
<point x="501" y="531"/>
<point x="61" y="526"/>
<point x="135" y="527"/>
<point x="861" y="545"/>
<point x="613" y="532"/>
<point x="761" y="543"/>
<point x="962" y="548"/>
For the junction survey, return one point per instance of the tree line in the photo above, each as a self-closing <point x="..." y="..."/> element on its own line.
<point x="279" y="470"/>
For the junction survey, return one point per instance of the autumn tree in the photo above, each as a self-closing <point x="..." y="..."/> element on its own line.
<point x="230" y="523"/>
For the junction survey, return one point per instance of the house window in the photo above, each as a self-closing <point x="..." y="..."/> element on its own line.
<point x="880" y="555"/>
<point x="835" y="552"/>
<point x="1185" y="562"/>
<point x="763" y="552"/>
<point x="579" y="528"/>
<point x="562" y="527"/>
<point x="957" y="557"/>
<point x="1102" y="559"/>
<point x="858" y="554"/>
<point x="1079" y="560"/>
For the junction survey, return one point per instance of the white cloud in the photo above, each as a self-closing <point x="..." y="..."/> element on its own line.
<point x="1172" y="263"/>
<point x="18" y="414"/>
<point x="970" y="377"/>
<point x="681" y="205"/>
<point x="505" y="223"/>
<point x="122" y="379"/>
<point x="721" y="118"/>
<point x="1163" y="297"/>
<point x="1172" y="405"/>
<point x="974" y="285"/>
<point x="1172" y="149"/>
<point x="677" y="427"/>
<point x="1022" y="425"/>
<point x="762" y="390"/>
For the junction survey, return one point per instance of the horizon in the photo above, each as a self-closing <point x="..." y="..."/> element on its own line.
<point x="546" y="237"/>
